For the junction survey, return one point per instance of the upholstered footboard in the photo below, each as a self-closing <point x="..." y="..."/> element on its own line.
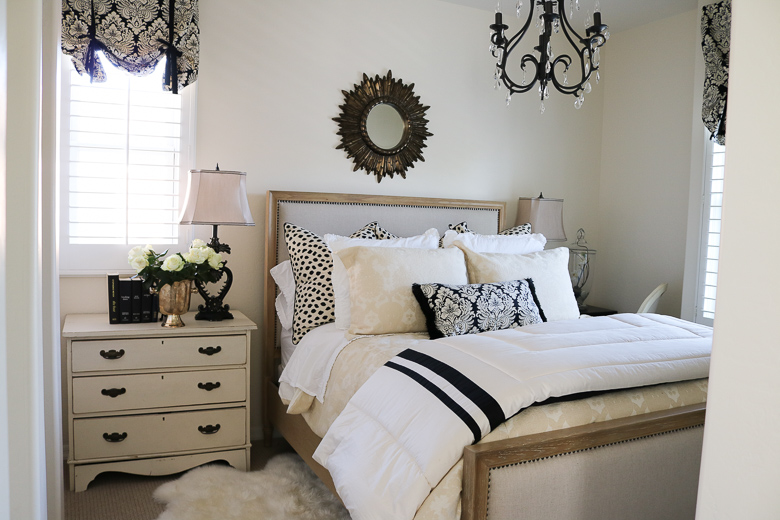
<point x="637" y="467"/>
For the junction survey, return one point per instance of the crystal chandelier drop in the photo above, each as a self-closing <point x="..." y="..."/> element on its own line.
<point x="548" y="69"/>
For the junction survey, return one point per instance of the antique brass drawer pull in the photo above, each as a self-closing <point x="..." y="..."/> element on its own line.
<point x="209" y="386"/>
<point x="210" y="351"/>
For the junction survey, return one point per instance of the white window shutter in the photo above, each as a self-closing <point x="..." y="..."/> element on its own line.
<point x="713" y="203"/>
<point x="121" y="168"/>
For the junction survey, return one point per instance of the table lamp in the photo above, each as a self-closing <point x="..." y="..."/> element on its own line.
<point x="215" y="198"/>
<point x="545" y="216"/>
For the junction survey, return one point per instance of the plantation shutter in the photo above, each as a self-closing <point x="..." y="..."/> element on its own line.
<point x="134" y="36"/>
<point x="123" y="147"/>
<point x="713" y="205"/>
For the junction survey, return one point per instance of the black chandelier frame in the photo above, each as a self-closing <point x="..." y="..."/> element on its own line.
<point x="553" y="20"/>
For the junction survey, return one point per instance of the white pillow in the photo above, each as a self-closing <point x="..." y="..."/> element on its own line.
<point x="513" y="244"/>
<point x="285" y="301"/>
<point x="380" y="285"/>
<point x="284" y="310"/>
<point x="336" y="243"/>
<point x="548" y="269"/>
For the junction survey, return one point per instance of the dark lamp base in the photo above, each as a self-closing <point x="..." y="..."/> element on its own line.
<point x="214" y="309"/>
<point x="213" y="315"/>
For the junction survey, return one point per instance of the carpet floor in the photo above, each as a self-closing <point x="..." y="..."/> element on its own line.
<point x="120" y="496"/>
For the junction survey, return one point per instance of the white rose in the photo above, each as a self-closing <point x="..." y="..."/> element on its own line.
<point x="138" y="263"/>
<point x="135" y="252"/>
<point x="173" y="263"/>
<point x="198" y="243"/>
<point x="198" y="255"/>
<point x="215" y="259"/>
<point x="148" y="249"/>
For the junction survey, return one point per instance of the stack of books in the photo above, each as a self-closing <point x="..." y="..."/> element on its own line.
<point x="127" y="303"/>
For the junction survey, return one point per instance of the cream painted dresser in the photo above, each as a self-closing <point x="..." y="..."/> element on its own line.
<point x="153" y="401"/>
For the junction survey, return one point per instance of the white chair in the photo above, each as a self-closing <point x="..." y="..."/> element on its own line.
<point x="651" y="302"/>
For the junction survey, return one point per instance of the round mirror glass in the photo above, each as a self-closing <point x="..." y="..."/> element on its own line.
<point x="385" y="126"/>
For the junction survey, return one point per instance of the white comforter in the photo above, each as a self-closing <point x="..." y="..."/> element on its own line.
<point x="407" y="425"/>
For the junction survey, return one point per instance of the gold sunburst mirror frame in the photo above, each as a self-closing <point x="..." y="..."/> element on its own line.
<point x="379" y="140"/>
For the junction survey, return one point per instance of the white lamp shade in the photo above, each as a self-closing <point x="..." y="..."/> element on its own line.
<point x="216" y="197"/>
<point x="545" y="216"/>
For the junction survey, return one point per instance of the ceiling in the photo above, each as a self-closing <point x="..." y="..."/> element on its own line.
<point x="618" y="14"/>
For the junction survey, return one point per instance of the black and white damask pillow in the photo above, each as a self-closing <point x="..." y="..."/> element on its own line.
<point x="454" y="310"/>
<point x="312" y="266"/>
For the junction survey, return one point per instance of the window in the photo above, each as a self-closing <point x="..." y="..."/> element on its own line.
<point x="710" y="249"/>
<point x="123" y="148"/>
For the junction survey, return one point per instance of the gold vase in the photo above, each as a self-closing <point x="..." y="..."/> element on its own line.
<point x="175" y="301"/>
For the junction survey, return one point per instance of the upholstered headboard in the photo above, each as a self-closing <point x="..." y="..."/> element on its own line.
<point x="342" y="214"/>
<point x="403" y="216"/>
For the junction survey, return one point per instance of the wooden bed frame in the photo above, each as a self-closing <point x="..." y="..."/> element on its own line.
<point x="632" y="453"/>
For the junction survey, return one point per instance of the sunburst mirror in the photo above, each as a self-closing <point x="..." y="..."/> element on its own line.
<point x="382" y="126"/>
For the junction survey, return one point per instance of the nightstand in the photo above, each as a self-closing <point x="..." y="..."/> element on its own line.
<point x="590" y="310"/>
<point x="150" y="400"/>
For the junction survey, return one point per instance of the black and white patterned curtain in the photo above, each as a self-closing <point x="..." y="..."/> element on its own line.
<point x="134" y="35"/>
<point x="715" y="32"/>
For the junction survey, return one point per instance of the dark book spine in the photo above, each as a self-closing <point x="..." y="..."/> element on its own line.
<point x="146" y="307"/>
<point x="135" y="303"/>
<point x="113" y="298"/>
<point x="125" y="295"/>
<point x="155" y="307"/>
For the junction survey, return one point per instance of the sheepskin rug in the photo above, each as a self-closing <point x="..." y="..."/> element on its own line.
<point x="286" y="489"/>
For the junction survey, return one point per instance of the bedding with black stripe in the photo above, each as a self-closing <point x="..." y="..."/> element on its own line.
<point x="408" y="424"/>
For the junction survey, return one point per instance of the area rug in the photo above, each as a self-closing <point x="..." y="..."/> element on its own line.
<point x="286" y="489"/>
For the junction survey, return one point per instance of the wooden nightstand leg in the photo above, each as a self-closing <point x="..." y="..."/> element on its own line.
<point x="72" y="477"/>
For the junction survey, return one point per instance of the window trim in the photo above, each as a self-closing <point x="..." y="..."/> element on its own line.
<point x="99" y="259"/>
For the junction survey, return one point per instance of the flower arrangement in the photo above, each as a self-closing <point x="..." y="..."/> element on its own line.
<point x="200" y="263"/>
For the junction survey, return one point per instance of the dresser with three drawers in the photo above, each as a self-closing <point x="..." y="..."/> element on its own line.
<point x="150" y="400"/>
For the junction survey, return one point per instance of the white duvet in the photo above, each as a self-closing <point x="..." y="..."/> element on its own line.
<point x="407" y="425"/>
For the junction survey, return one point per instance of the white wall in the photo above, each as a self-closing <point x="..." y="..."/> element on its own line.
<point x="22" y="475"/>
<point x="5" y="414"/>
<point x="270" y="82"/>
<point x="739" y="477"/>
<point x="646" y="163"/>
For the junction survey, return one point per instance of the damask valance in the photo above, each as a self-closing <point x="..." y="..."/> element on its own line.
<point x="134" y="35"/>
<point x="715" y="32"/>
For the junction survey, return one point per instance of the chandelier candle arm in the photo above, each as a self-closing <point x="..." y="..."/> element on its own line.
<point x="551" y="19"/>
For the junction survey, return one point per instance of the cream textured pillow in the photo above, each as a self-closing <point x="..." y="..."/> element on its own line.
<point x="336" y="243"/>
<point x="548" y="269"/>
<point x="380" y="285"/>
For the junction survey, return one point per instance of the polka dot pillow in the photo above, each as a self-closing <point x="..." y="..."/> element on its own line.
<point x="312" y="265"/>
<point x="373" y="230"/>
<point x="523" y="229"/>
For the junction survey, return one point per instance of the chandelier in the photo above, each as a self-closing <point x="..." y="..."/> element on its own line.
<point x="547" y="69"/>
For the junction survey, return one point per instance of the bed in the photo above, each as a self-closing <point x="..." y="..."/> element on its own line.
<point x="592" y="453"/>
